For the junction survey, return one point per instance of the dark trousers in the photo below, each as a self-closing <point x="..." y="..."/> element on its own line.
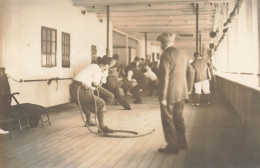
<point x="126" y="86"/>
<point x="113" y="86"/>
<point x="153" y="86"/>
<point x="141" y="84"/>
<point x="173" y="124"/>
<point x="86" y="98"/>
<point x="105" y="94"/>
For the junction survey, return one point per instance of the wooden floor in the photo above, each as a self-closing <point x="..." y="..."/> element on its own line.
<point x="215" y="135"/>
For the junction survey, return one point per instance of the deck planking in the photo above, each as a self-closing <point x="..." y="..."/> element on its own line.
<point x="216" y="138"/>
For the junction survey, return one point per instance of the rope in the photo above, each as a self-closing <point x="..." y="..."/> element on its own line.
<point x="101" y="132"/>
<point x="14" y="79"/>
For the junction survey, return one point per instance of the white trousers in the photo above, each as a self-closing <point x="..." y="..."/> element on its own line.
<point x="204" y="85"/>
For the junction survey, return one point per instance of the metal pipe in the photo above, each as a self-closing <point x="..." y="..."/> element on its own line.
<point x="39" y="80"/>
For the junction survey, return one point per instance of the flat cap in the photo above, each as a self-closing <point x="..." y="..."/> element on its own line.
<point x="166" y="37"/>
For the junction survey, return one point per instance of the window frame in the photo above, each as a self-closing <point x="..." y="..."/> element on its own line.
<point x="65" y="49"/>
<point x="48" y="58"/>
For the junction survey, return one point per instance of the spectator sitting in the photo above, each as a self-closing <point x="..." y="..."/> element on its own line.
<point x="112" y="85"/>
<point x="153" y="84"/>
<point x="155" y="68"/>
<point x="116" y="58"/>
<point x="142" y="82"/>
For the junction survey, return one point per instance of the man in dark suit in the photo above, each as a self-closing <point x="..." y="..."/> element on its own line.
<point x="175" y="84"/>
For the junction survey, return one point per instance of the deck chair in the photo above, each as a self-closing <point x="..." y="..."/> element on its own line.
<point x="6" y="109"/>
<point x="35" y="112"/>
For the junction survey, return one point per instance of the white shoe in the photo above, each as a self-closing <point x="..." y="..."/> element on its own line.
<point x="3" y="131"/>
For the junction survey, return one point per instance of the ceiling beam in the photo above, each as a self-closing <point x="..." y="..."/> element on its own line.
<point x="125" y="34"/>
<point x="135" y="2"/>
<point x="162" y="29"/>
<point x="155" y="18"/>
<point x="124" y="10"/>
<point x="161" y="22"/>
<point x="151" y="13"/>
<point x="113" y="15"/>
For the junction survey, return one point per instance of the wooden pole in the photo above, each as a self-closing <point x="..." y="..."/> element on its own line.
<point x="258" y="43"/>
<point x="145" y="36"/>
<point x="108" y="18"/>
<point x="200" y="43"/>
<point x="197" y="26"/>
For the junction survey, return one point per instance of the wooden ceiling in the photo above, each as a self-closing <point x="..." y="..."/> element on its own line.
<point x="137" y="17"/>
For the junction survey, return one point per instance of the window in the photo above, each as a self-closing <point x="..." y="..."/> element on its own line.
<point x="48" y="47"/>
<point x="93" y="53"/>
<point x="65" y="49"/>
<point x="158" y="56"/>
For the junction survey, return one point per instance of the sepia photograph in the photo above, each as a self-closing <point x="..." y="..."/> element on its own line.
<point x="129" y="84"/>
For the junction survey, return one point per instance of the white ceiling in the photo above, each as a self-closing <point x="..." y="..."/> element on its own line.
<point x="137" y="17"/>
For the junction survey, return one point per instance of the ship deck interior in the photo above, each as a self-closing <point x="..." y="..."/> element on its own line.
<point x="216" y="138"/>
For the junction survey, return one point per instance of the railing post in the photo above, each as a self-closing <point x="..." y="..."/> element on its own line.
<point x="197" y="27"/>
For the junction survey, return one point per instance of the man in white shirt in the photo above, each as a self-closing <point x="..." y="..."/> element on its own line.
<point x="90" y="77"/>
<point x="153" y="83"/>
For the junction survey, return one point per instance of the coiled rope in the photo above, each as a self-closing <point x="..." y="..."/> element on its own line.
<point x="101" y="133"/>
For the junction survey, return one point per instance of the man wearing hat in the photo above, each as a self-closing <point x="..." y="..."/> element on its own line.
<point x="174" y="87"/>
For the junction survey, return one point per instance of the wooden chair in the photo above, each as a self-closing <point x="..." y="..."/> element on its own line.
<point x="14" y="112"/>
<point x="34" y="109"/>
<point x="5" y="119"/>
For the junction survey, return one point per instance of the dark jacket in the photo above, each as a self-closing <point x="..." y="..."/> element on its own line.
<point x="202" y="68"/>
<point x="174" y="70"/>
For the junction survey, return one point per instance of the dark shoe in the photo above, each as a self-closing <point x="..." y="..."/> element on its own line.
<point x="127" y="108"/>
<point x="105" y="129"/>
<point x="169" y="150"/>
<point x="182" y="142"/>
<point x="183" y="146"/>
<point x="138" y="102"/>
<point x="91" y="124"/>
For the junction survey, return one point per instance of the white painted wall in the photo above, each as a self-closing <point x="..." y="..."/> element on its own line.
<point x="238" y="52"/>
<point x="20" y="45"/>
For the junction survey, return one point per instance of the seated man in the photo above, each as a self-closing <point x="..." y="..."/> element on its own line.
<point x="89" y="80"/>
<point x="153" y="80"/>
<point x="142" y="82"/>
<point x="111" y="84"/>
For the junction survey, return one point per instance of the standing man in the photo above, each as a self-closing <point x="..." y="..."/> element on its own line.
<point x="203" y="69"/>
<point x="173" y="91"/>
